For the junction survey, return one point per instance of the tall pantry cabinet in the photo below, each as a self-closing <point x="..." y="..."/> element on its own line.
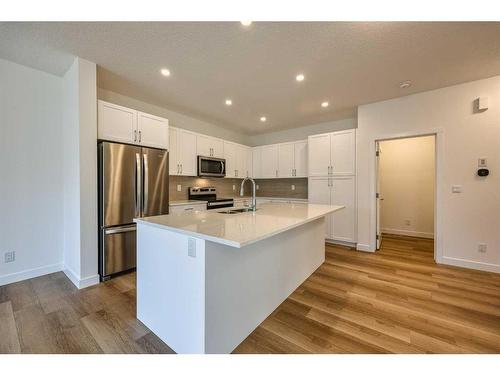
<point x="332" y="180"/>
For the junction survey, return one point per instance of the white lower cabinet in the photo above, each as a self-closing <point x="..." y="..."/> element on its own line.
<point x="340" y="226"/>
<point x="186" y="207"/>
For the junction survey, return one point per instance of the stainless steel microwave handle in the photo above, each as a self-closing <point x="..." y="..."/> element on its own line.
<point x="146" y="182"/>
<point x="222" y="165"/>
<point x="137" y="184"/>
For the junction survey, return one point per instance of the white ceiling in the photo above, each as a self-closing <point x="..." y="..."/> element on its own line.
<point x="346" y="63"/>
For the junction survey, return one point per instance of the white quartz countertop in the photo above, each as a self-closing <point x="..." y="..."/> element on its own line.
<point x="238" y="230"/>
<point x="186" y="202"/>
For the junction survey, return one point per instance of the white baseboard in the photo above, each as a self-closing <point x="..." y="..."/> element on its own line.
<point x="343" y="243"/>
<point x="464" y="263"/>
<point x="81" y="283"/>
<point x="364" y="247"/>
<point x="410" y="233"/>
<point x="29" y="274"/>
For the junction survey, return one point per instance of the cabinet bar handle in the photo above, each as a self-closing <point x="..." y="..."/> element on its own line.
<point x="135" y="135"/>
<point x="140" y="136"/>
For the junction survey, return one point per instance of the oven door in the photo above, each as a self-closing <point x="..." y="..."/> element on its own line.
<point x="211" y="167"/>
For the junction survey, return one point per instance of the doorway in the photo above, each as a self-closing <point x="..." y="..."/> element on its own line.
<point x="406" y="188"/>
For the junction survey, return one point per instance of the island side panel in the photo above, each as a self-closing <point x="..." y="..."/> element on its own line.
<point x="244" y="286"/>
<point x="171" y="288"/>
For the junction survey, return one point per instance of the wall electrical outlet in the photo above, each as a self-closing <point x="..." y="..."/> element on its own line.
<point x="179" y="187"/>
<point x="10" y="256"/>
<point x="293" y="187"/>
<point x="482" y="247"/>
<point x="257" y="187"/>
<point x="234" y="187"/>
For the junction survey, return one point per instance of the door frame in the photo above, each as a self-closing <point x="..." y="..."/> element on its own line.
<point x="438" y="134"/>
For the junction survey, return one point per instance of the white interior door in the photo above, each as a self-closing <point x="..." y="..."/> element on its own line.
<point x="319" y="192"/>
<point x="378" y="197"/>
<point x="319" y="155"/>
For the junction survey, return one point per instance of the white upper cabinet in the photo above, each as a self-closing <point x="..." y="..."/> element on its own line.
<point x="249" y="164"/>
<point x="231" y="154"/>
<point x="121" y="124"/>
<point x="286" y="160"/>
<point x="343" y="153"/>
<point x="152" y="130"/>
<point x="300" y="154"/>
<point x="269" y="161"/>
<point x="209" y="146"/>
<point x="256" y="162"/>
<point x="332" y="154"/>
<point x="187" y="153"/>
<point x="183" y="157"/>
<point x="116" y="123"/>
<point x="241" y="161"/>
<point x="319" y="155"/>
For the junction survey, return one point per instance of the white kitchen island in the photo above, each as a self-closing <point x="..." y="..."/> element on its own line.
<point x="206" y="280"/>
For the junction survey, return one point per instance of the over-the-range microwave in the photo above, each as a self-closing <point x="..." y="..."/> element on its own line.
<point x="211" y="167"/>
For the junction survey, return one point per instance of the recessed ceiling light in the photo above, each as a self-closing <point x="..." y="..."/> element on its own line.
<point x="405" y="84"/>
<point x="299" y="77"/>
<point x="229" y="102"/>
<point x="263" y="119"/>
<point x="325" y="104"/>
<point x="246" y="23"/>
<point x="165" y="72"/>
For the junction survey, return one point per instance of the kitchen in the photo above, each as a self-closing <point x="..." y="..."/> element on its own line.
<point x="198" y="218"/>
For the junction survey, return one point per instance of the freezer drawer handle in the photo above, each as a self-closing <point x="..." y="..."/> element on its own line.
<point x="120" y="230"/>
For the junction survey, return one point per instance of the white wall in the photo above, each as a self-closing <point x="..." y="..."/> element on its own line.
<point x="406" y="176"/>
<point x="31" y="182"/>
<point x="465" y="219"/>
<point x="175" y="119"/>
<point x="80" y="173"/>
<point x="302" y="132"/>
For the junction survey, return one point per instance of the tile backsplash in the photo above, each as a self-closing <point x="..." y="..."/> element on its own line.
<point x="267" y="187"/>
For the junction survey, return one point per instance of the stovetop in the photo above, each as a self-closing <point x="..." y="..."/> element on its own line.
<point x="209" y="194"/>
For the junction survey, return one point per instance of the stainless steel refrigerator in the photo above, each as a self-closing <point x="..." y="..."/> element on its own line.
<point x="133" y="182"/>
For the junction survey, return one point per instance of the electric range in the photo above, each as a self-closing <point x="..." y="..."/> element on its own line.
<point x="209" y="194"/>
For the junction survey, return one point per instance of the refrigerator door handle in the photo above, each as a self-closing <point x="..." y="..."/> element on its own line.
<point x="146" y="183"/>
<point x="129" y="228"/>
<point x="137" y="184"/>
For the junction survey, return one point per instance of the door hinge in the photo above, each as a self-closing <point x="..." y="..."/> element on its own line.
<point x="378" y="236"/>
<point x="377" y="195"/>
<point x="377" y="153"/>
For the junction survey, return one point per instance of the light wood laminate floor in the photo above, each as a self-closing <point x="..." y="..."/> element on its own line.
<point x="394" y="301"/>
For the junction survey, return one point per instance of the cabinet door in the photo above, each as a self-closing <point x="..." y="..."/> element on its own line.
<point x="319" y="192"/>
<point x="187" y="153"/>
<point x="230" y="154"/>
<point x="217" y="148"/>
<point x="300" y="157"/>
<point x="286" y="160"/>
<point x="256" y="162"/>
<point x="318" y="155"/>
<point x="249" y="160"/>
<point x="343" y="194"/>
<point x="173" y="151"/>
<point x="116" y="123"/>
<point x="203" y="145"/>
<point x="343" y="152"/>
<point x="241" y="161"/>
<point x="153" y="130"/>
<point x="269" y="161"/>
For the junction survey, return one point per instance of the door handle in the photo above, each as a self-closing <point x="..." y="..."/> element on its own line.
<point x="181" y="168"/>
<point x="146" y="182"/>
<point x="137" y="184"/>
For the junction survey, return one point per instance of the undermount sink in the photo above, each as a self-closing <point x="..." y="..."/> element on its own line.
<point x="235" y="211"/>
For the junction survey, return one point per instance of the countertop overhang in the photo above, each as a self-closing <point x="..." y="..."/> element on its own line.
<point x="238" y="230"/>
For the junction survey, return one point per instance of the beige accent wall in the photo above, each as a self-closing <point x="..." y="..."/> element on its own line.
<point x="407" y="180"/>
<point x="267" y="188"/>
